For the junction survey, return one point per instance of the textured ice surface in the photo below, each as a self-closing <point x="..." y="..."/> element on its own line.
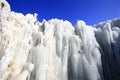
<point x="56" y="50"/>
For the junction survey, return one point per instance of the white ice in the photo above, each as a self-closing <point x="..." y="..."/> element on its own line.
<point x="57" y="50"/>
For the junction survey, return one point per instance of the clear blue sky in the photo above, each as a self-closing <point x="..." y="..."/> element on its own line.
<point x="91" y="11"/>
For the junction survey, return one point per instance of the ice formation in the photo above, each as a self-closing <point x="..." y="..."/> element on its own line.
<point x="56" y="50"/>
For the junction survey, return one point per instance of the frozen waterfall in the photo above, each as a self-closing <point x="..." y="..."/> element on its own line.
<point x="56" y="50"/>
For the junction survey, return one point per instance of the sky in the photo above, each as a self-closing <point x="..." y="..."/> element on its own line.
<point x="91" y="11"/>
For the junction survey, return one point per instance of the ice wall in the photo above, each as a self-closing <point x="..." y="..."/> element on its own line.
<point x="108" y="36"/>
<point x="56" y="50"/>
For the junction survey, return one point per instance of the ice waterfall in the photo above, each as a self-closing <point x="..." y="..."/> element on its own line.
<point x="56" y="50"/>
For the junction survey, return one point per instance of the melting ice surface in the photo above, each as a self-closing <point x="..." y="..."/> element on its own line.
<point x="55" y="50"/>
